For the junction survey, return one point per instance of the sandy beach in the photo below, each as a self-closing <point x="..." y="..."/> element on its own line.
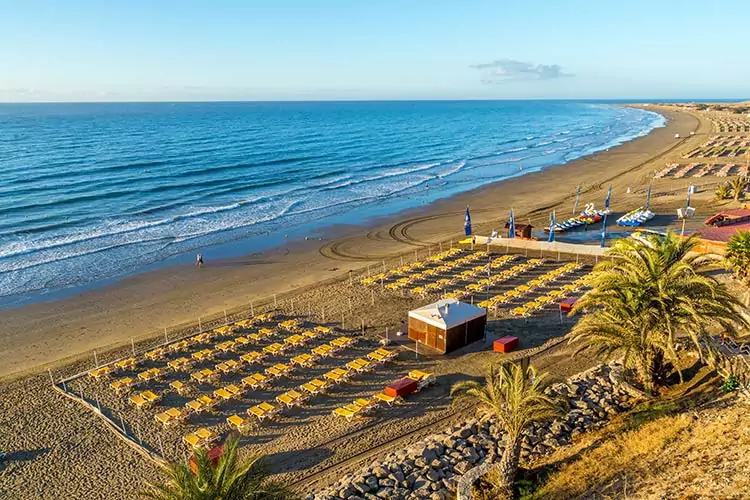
<point x="143" y="305"/>
<point x="308" y="447"/>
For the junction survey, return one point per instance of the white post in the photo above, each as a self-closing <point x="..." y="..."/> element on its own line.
<point x="96" y="360"/>
<point x="451" y="243"/>
<point x="363" y="326"/>
<point x="274" y="301"/>
<point x="132" y="346"/>
<point x="342" y="321"/>
<point x="161" y="446"/>
<point x="351" y="281"/>
<point x="252" y="309"/>
<point x="166" y="339"/>
<point x="416" y="258"/>
<point x="122" y="424"/>
<point x="52" y="380"/>
<point x="402" y="261"/>
<point x="292" y="301"/>
<point x="323" y="313"/>
<point x="98" y="406"/>
<point x="368" y="270"/>
<point x="383" y="266"/>
<point x="200" y="324"/>
<point x="65" y="388"/>
<point x="372" y="296"/>
<point x="350" y="304"/>
<point x="226" y="321"/>
<point x="440" y="244"/>
<point x="386" y="335"/>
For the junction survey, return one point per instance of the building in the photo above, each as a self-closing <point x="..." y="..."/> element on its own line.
<point x="721" y="227"/>
<point x="447" y="325"/>
<point x="522" y="230"/>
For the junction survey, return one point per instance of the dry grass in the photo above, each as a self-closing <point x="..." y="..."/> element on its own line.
<point x="690" y="455"/>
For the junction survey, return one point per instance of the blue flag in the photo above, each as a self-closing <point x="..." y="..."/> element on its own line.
<point x="467" y="223"/>
<point x="512" y="225"/>
<point x="609" y="195"/>
<point x="578" y="195"/>
<point x="648" y="196"/>
<point x="551" y="238"/>
<point x="690" y="191"/>
<point x="604" y="228"/>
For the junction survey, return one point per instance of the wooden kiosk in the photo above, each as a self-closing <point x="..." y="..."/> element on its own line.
<point x="447" y="325"/>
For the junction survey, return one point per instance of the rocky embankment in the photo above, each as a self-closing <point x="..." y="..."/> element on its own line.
<point x="432" y="468"/>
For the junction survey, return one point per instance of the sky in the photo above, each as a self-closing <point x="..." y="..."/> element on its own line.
<point x="174" y="50"/>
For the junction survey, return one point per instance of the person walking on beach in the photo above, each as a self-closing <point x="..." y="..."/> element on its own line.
<point x="199" y="260"/>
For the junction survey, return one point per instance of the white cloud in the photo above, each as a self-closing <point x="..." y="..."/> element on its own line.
<point x="508" y="70"/>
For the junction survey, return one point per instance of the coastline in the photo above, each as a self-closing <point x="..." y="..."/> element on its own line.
<point x="145" y="304"/>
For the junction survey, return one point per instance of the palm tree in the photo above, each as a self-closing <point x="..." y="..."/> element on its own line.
<point x="723" y="191"/>
<point x="738" y="254"/>
<point x="739" y="184"/>
<point x="652" y="292"/>
<point x="513" y="395"/>
<point x="230" y="479"/>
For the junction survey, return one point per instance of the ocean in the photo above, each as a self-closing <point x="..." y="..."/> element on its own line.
<point x="90" y="193"/>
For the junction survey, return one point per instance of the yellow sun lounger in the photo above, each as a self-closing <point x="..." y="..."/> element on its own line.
<point x="122" y="385"/>
<point x="238" y="422"/>
<point x="275" y="348"/>
<point x="245" y="323"/>
<point x="263" y="411"/>
<point x="180" y="387"/>
<point x="100" y="372"/>
<point x="255" y="381"/>
<point x="291" y="398"/>
<point x="138" y="400"/>
<point x="385" y="398"/>
<point x="323" y="329"/>
<point x="290" y="324"/>
<point x="337" y="375"/>
<point x="423" y="379"/>
<point x="201" y="437"/>
<point x="252" y="357"/>
<point x="346" y="413"/>
<point x="266" y="332"/>
<point x="241" y="340"/>
<point x="179" y="363"/>
<point x="295" y="340"/>
<point x="359" y="365"/>
<point x="228" y="366"/>
<point x="229" y="345"/>
<point x="302" y="360"/>
<point x="171" y="417"/>
<point x="222" y="393"/>
<point x="195" y="406"/>
<point x="149" y="375"/>
<point x="179" y="346"/>
<point x="323" y="351"/>
<point x="126" y="363"/>
<point x="157" y="353"/>
<point x="204" y="375"/>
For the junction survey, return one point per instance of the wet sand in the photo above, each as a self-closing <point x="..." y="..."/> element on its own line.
<point x="53" y="333"/>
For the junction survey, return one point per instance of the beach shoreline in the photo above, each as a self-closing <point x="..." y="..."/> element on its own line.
<point x="50" y="333"/>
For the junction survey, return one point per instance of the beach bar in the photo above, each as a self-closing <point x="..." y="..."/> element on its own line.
<point x="447" y="325"/>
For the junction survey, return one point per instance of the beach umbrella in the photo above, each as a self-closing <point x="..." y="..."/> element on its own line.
<point x="609" y="195"/>
<point x="467" y="222"/>
<point x="690" y="191"/>
<point x="648" y="196"/>
<point x="512" y="225"/>
<point x="551" y="238"/>
<point x="604" y="228"/>
<point x="578" y="195"/>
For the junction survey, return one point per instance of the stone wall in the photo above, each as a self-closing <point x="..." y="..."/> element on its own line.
<point x="431" y="468"/>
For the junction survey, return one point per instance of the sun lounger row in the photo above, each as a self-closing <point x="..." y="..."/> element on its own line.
<point x="409" y="269"/>
<point x="494" y="279"/>
<point x="551" y="297"/>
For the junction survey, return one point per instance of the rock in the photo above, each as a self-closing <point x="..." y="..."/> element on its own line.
<point x="462" y="467"/>
<point x="361" y="487"/>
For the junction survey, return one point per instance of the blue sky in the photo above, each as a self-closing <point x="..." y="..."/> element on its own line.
<point x="76" y="50"/>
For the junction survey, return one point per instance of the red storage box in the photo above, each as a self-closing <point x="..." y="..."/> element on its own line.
<point x="402" y="387"/>
<point x="505" y="344"/>
<point x="214" y="454"/>
<point x="567" y="304"/>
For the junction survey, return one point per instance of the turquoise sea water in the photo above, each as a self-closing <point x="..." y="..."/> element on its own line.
<point x="92" y="192"/>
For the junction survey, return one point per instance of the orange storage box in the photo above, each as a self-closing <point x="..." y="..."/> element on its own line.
<point x="505" y="344"/>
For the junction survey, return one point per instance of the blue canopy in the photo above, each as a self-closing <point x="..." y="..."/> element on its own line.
<point x="467" y="223"/>
<point x="512" y="225"/>
<point x="552" y="228"/>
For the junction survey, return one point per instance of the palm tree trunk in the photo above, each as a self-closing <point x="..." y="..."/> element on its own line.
<point x="507" y="469"/>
